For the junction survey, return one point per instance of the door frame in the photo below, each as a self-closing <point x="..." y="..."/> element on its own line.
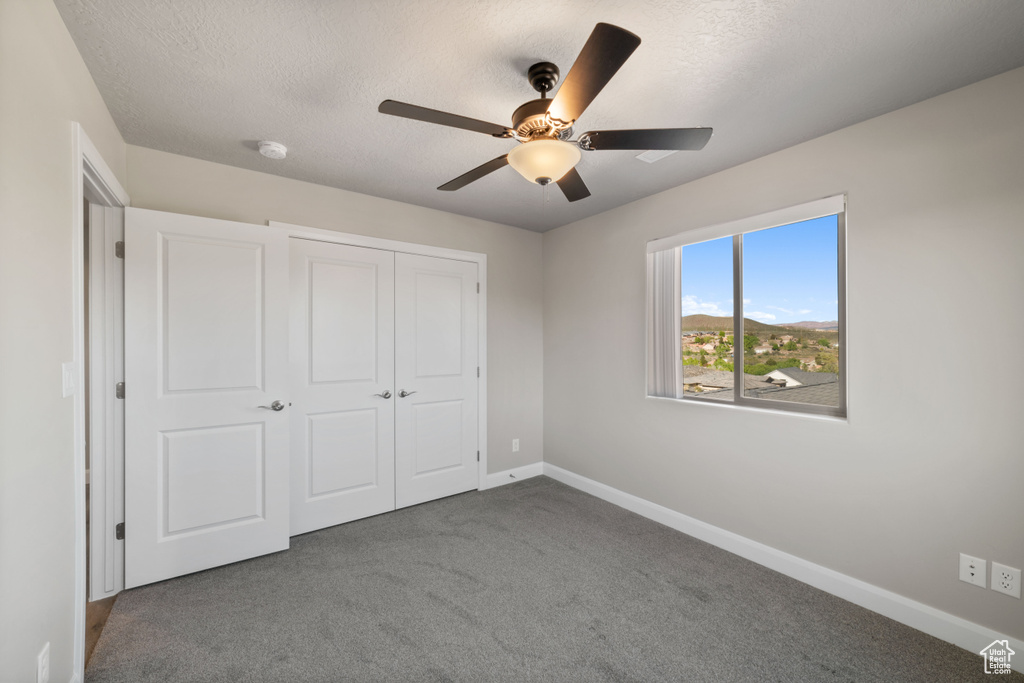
<point x="93" y="180"/>
<point x="335" y="237"/>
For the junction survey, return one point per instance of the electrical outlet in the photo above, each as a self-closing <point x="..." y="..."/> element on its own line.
<point x="972" y="570"/>
<point x="515" y="445"/>
<point x="1006" y="579"/>
<point x="43" y="665"/>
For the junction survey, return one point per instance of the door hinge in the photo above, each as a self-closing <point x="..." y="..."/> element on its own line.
<point x="119" y="249"/>
<point x="119" y="390"/>
<point x="478" y="371"/>
<point x="119" y="531"/>
<point x="478" y="456"/>
<point x="478" y="288"/>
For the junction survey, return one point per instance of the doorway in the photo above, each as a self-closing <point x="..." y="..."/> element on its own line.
<point x="98" y="200"/>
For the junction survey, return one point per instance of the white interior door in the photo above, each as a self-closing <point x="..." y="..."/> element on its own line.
<point x="436" y="377"/>
<point x="106" y="412"/>
<point x="206" y="347"/>
<point x="342" y="383"/>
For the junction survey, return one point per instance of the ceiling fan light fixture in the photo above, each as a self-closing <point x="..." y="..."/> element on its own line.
<point x="545" y="160"/>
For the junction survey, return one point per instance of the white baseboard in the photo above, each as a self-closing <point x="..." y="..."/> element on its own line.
<point x="942" y="625"/>
<point x="515" y="474"/>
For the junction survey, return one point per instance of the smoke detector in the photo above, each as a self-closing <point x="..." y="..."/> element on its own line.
<point x="273" y="150"/>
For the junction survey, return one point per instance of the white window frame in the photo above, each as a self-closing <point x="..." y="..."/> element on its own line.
<point x="829" y="206"/>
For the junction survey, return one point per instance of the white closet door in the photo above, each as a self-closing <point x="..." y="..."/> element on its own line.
<point x="342" y="384"/>
<point x="436" y="360"/>
<point x="206" y="345"/>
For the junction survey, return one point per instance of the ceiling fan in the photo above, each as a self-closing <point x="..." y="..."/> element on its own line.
<point x="544" y="126"/>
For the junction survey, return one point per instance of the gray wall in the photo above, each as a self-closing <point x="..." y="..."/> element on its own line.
<point x="45" y="86"/>
<point x="167" y="182"/>
<point x="930" y="462"/>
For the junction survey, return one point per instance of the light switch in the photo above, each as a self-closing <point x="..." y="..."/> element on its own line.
<point x="68" y="379"/>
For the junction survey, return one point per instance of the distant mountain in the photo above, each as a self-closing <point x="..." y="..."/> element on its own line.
<point x="710" y="323"/>
<point x="816" y="325"/>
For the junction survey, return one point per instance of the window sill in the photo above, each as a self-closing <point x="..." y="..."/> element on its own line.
<point x="728" y="405"/>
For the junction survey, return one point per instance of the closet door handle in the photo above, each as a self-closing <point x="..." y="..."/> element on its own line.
<point x="403" y="393"/>
<point x="386" y="394"/>
<point x="275" y="406"/>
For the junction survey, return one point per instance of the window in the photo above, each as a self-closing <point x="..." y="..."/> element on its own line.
<point x="752" y="312"/>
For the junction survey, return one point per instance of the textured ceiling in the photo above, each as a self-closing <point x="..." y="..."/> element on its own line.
<point x="208" y="79"/>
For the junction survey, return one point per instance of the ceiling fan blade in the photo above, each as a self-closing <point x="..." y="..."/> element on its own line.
<point x="573" y="187"/>
<point x="476" y="174"/>
<point x="649" y="138"/>
<point x="605" y="52"/>
<point x="411" y="111"/>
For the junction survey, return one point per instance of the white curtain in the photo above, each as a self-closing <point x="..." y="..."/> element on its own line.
<point x="664" y="313"/>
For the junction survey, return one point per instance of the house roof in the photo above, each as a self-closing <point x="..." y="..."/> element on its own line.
<point x="822" y="388"/>
<point x="809" y="378"/>
<point x="817" y="394"/>
<point x="721" y="378"/>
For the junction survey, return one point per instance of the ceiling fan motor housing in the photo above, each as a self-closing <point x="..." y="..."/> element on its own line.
<point x="531" y="119"/>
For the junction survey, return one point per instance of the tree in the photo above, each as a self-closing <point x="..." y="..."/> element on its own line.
<point x="828" y="362"/>
<point x="750" y="341"/>
<point x="824" y="343"/>
<point x="790" y="345"/>
<point x="769" y="365"/>
<point x="775" y="347"/>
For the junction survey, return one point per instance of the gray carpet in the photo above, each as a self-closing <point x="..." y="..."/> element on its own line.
<point x="534" y="581"/>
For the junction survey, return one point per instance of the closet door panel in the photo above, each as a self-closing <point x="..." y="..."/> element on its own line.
<point x="342" y="366"/>
<point x="436" y="368"/>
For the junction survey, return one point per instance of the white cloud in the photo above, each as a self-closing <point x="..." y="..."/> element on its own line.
<point x="779" y="308"/>
<point x="691" y="305"/>
<point x="757" y="315"/>
<point x="789" y="312"/>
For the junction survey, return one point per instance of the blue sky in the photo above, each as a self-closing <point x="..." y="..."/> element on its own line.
<point x="789" y="274"/>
